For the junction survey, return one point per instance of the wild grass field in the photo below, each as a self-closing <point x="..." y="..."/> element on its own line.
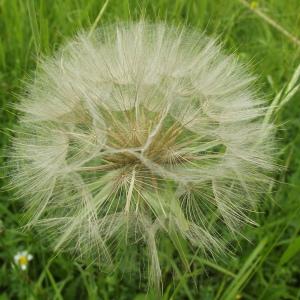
<point x="266" y="265"/>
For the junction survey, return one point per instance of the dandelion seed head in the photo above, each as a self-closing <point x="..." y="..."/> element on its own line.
<point x="138" y="131"/>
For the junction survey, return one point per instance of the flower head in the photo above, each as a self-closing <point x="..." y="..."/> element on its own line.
<point x="138" y="131"/>
<point x="22" y="259"/>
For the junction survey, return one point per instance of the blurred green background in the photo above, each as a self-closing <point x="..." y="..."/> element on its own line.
<point x="267" y="266"/>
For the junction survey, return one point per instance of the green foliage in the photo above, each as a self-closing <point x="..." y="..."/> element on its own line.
<point x="265" y="267"/>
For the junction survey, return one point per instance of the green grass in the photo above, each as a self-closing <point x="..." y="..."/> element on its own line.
<point x="265" y="267"/>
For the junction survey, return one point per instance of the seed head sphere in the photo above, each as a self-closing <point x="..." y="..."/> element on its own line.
<point x="137" y="132"/>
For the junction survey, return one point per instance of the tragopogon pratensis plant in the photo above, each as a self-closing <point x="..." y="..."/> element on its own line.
<point x="136" y="132"/>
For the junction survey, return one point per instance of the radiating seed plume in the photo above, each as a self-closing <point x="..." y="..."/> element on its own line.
<point x="140" y="131"/>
